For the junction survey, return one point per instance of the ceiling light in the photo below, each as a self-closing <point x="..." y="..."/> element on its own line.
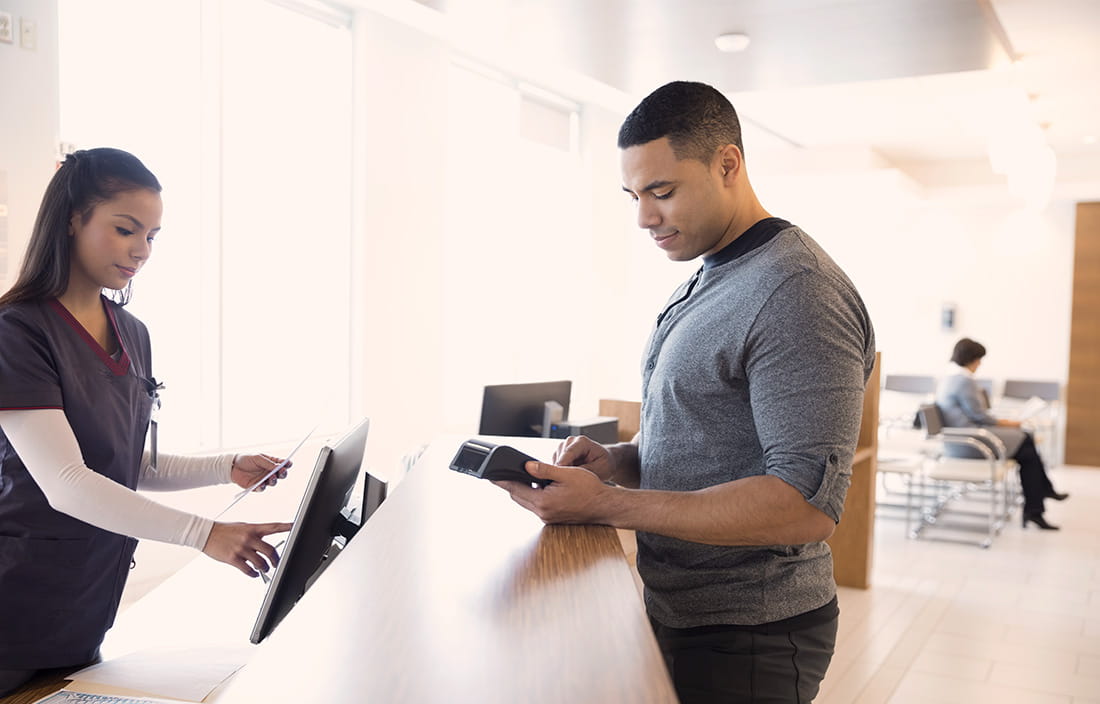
<point x="732" y="42"/>
<point x="1089" y="139"/>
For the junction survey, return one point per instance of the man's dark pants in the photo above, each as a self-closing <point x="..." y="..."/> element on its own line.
<point x="712" y="664"/>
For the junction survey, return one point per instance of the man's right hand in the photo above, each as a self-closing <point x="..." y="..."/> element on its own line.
<point x="583" y="451"/>
<point x="242" y="545"/>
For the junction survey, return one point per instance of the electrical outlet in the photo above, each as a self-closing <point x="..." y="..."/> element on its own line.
<point x="28" y="33"/>
<point x="7" y="31"/>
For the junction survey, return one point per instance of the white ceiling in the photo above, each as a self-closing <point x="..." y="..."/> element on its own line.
<point x="920" y="83"/>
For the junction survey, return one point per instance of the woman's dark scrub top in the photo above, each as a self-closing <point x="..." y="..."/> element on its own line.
<point x="60" y="578"/>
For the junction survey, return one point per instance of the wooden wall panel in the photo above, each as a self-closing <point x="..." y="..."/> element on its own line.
<point x="1083" y="386"/>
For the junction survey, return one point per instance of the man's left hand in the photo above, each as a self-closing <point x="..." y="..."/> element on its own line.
<point x="574" y="496"/>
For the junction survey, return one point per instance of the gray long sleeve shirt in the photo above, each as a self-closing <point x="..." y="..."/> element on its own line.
<point x="760" y="369"/>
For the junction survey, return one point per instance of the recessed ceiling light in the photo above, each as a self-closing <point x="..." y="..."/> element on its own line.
<point x="732" y="42"/>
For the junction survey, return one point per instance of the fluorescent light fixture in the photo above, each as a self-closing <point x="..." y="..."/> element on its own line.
<point x="732" y="42"/>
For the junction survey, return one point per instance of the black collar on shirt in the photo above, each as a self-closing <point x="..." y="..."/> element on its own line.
<point x="760" y="233"/>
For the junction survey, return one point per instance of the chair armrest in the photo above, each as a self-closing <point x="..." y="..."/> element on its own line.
<point x="969" y="440"/>
<point x="986" y="437"/>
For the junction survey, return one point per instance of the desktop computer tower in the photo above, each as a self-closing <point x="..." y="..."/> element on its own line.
<point x="602" y="429"/>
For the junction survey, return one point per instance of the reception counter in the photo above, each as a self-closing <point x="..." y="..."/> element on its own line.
<point x="453" y="593"/>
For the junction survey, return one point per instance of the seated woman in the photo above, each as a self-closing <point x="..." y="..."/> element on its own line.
<point x="965" y="406"/>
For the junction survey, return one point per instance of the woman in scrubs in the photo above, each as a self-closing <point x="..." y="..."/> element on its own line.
<point x="76" y="394"/>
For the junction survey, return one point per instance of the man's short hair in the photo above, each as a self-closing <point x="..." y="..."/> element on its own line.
<point x="967" y="351"/>
<point x="696" y="118"/>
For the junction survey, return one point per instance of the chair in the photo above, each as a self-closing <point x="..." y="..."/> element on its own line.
<point x="1025" y="389"/>
<point x="900" y="457"/>
<point x="910" y="383"/>
<point x="907" y="391"/>
<point x="986" y="387"/>
<point x="969" y="465"/>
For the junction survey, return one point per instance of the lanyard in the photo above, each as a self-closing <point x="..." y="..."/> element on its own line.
<point x="153" y="387"/>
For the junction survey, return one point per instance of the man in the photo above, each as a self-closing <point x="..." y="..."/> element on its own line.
<point x="752" y="390"/>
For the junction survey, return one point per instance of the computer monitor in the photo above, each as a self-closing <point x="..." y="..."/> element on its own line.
<point x="521" y="409"/>
<point x="325" y="522"/>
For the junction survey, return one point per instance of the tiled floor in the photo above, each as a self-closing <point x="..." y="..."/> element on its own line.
<point x="955" y="624"/>
<point x="943" y="623"/>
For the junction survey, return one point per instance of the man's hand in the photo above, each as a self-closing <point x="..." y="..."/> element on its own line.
<point x="242" y="545"/>
<point x="575" y="496"/>
<point x="583" y="451"/>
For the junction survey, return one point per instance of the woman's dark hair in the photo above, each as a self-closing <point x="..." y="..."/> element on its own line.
<point x="966" y="351"/>
<point x="696" y="118"/>
<point x="84" y="180"/>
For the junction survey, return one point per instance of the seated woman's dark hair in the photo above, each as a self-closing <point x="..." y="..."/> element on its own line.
<point x="967" y="351"/>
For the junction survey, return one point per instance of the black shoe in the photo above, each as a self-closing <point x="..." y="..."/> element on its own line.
<point x="1037" y="519"/>
<point x="1056" y="496"/>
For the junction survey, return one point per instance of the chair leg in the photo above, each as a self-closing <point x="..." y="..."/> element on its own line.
<point x="992" y="515"/>
<point x="909" y="504"/>
<point x="912" y="531"/>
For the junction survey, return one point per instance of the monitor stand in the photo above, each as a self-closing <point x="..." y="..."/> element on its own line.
<point x="348" y="523"/>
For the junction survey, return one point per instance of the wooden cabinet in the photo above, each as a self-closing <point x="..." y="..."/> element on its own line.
<point x="629" y="414"/>
<point x="854" y="539"/>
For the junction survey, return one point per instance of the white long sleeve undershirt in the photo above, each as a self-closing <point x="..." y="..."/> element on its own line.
<point x="45" y="442"/>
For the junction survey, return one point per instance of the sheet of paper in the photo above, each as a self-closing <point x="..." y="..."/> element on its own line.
<point x="189" y="674"/>
<point x="66" y="696"/>
<point x="245" y="492"/>
<point x="1032" y="407"/>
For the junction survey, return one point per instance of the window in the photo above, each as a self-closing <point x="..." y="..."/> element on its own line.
<point x="517" y="240"/>
<point x="247" y="294"/>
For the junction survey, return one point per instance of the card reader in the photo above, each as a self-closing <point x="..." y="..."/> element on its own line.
<point x="494" y="462"/>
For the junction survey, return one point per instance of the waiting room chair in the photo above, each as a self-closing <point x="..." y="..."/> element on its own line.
<point x="986" y="387"/>
<point x="910" y="383"/>
<point x="902" y="453"/>
<point x="970" y="465"/>
<point x="1026" y="388"/>
<point x="902" y="394"/>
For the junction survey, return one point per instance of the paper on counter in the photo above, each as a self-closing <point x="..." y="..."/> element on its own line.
<point x="189" y="674"/>
<point x="67" y="696"/>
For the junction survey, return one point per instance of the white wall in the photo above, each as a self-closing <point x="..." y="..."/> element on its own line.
<point x="908" y="249"/>
<point x="29" y="116"/>
<point x="398" y="226"/>
<point x="248" y="134"/>
<point x="159" y="123"/>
